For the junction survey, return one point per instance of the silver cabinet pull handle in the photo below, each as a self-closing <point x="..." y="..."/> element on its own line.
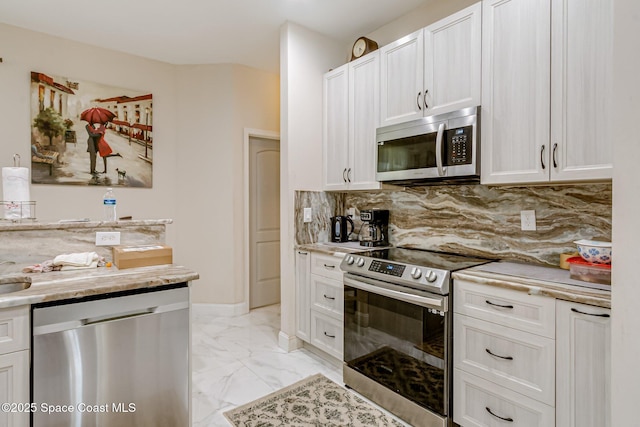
<point x="509" y="419"/>
<point x="330" y="336"/>
<point x="555" y="149"/>
<point x="418" y="101"/>
<point x="344" y="172"/>
<point x="303" y="253"/>
<point x="329" y="298"/>
<point x="329" y="266"/>
<point x="349" y="175"/>
<point x="496" y="355"/>
<point x="498" y="305"/>
<point x="575" y="310"/>
<point x="542" y="157"/>
<point x="425" y="99"/>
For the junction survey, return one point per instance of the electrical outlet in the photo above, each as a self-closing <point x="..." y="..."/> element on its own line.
<point x="528" y="220"/>
<point x="307" y="215"/>
<point x="107" y="238"/>
<point x="351" y="212"/>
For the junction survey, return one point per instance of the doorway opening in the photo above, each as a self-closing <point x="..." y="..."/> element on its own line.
<point x="263" y="218"/>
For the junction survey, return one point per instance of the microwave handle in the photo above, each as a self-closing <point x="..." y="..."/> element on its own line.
<point x="441" y="170"/>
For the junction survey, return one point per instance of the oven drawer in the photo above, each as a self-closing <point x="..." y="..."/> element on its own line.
<point x="481" y="403"/>
<point x="519" y="310"/>
<point x="326" y="334"/>
<point x="326" y="265"/>
<point x="327" y="296"/>
<point x="518" y="360"/>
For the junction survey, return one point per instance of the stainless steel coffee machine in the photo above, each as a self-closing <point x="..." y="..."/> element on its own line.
<point x="375" y="224"/>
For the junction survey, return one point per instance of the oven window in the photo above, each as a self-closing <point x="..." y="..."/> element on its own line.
<point x="400" y="345"/>
<point x="413" y="152"/>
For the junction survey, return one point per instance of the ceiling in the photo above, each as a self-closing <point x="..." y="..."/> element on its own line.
<point x="201" y="31"/>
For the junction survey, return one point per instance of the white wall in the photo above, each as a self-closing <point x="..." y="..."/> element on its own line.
<point x="25" y="51"/>
<point x="304" y="57"/>
<point x="625" y="378"/>
<point x="215" y="104"/>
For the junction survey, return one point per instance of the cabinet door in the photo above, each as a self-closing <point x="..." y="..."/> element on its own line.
<point x="583" y="366"/>
<point x="364" y="113"/>
<point x="14" y="387"/>
<point x="515" y="91"/>
<point x="303" y="294"/>
<point x="401" y="75"/>
<point x="452" y="61"/>
<point x="581" y="81"/>
<point x="335" y="137"/>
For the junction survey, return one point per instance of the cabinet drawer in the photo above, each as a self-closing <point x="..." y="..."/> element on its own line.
<point x="326" y="266"/>
<point x="326" y="334"/>
<point x="480" y="403"/>
<point x="14" y="329"/>
<point x="519" y="310"/>
<point x="521" y="361"/>
<point x="327" y="296"/>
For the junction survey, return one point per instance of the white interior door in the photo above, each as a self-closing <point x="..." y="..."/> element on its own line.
<point x="264" y="222"/>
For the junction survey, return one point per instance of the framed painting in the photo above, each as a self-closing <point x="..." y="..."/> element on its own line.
<point x="86" y="133"/>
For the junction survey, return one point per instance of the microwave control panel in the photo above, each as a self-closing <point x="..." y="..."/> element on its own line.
<point x="458" y="146"/>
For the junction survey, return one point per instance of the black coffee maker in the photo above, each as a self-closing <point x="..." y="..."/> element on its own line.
<point x="339" y="228"/>
<point x="375" y="225"/>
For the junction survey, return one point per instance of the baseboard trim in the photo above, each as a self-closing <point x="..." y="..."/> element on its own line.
<point x="289" y="342"/>
<point x="226" y="310"/>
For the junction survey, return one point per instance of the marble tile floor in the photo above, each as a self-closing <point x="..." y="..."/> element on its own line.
<point x="237" y="360"/>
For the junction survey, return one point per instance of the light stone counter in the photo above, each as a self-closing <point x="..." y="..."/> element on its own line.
<point x="333" y="248"/>
<point x="61" y="285"/>
<point x="538" y="280"/>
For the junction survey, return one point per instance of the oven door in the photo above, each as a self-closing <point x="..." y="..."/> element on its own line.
<point x="400" y="338"/>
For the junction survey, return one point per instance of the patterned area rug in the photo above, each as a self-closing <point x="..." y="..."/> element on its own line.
<point x="313" y="402"/>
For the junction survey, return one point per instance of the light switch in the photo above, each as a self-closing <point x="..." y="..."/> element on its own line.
<point x="307" y="215"/>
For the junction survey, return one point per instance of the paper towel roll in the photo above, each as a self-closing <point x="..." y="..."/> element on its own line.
<point x="15" y="188"/>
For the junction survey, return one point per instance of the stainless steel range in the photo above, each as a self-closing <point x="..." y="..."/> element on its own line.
<point x="398" y="330"/>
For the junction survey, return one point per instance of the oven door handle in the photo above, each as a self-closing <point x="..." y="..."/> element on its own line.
<point x="385" y="290"/>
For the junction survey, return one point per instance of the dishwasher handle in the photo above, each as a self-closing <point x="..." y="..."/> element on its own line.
<point x="60" y="318"/>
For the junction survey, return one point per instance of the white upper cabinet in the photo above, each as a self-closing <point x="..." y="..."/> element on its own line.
<point x="452" y="61"/>
<point x="364" y="112"/>
<point x="335" y="138"/>
<point x="433" y="70"/>
<point x="401" y="78"/>
<point x="516" y="86"/>
<point x="546" y="90"/>
<point x="351" y="113"/>
<point x="581" y="79"/>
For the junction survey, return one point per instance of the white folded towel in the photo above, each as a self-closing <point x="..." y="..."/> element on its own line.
<point x="82" y="259"/>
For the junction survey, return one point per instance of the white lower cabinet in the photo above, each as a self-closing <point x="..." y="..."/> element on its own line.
<point x="320" y="301"/>
<point x="481" y="403"/>
<point x="14" y="365"/>
<point x="528" y="360"/>
<point x="583" y="380"/>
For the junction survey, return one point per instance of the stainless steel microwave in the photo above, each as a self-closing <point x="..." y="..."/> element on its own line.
<point x="438" y="149"/>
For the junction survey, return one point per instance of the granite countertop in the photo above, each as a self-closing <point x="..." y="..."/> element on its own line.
<point x="334" y="248"/>
<point x="60" y="285"/>
<point x="538" y="280"/>
<point x="66" y="224"/>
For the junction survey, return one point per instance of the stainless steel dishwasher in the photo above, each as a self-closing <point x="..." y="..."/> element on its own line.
<point x="112" y="360"/>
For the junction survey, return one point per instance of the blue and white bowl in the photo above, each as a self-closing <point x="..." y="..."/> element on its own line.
<point x="594" y="251"/>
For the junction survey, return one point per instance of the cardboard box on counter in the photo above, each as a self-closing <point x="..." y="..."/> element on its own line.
<point x="142" y="256"/>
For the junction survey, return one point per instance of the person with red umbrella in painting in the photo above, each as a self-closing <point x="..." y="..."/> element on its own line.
<point x="96" y="144"/>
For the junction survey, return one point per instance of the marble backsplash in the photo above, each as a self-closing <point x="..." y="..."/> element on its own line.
<point x="475" y="219"/>
<point x="22" y="245"/>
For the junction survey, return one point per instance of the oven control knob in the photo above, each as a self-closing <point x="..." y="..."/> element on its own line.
<point x="416" y="273"/>
<point x="360" y="262"/>
<point x="430" y="276"/>
<point x="350" y="260"/>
